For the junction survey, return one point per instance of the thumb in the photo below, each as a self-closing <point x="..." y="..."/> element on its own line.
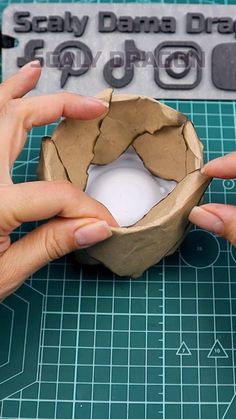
<point x="46" y="243"/>
<point x="218" y="218"/>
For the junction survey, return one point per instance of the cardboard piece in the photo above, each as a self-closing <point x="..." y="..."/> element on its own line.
<point x="169" y="147"/>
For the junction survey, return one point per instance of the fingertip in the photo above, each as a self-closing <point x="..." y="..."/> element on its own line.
<point x="24" y="80"/>
<point x="32" y="65"/>
<point x="206" y="220"/>
<point x="206" y="169"/>
<point x="113" y="224"/>
<point x="93" y="107"/>
<point x="91" y="234"/>
<point x="211" y="169"/>
<point x="29" y="74"/>
<point x="98" y="100"/>
<point x="194" y="215"/>
<point x="111" y="220"/>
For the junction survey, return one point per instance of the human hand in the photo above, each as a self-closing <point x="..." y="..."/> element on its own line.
<point x="77" y="220"/>
<point x="218" y="218"/>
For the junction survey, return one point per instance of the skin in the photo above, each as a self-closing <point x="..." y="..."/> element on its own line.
<point x="76" y="220"/>
<point x="218" y="218"/>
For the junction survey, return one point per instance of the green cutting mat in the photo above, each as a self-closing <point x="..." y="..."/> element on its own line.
<point x="81" y="343"/>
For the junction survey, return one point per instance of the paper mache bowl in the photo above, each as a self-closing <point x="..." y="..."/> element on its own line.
<point x="166" y="142"/>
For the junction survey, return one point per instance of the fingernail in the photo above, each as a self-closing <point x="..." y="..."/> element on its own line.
<point x="92" y="99"/>
<point x="92" y="233"/>
<point x="206" y="220"/>
<point x="31" y="64"/>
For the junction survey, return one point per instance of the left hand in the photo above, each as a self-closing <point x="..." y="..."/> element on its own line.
<point x="76" y="220"/>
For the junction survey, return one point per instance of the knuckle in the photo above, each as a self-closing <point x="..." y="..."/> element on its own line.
<point x="8" y="219"/>
<point x="62" y="98"/>
<point x="65" y="96"/>
<point x="66" y="187"/>
<point x="5" y="242"/>
<point x="53" y="246"/>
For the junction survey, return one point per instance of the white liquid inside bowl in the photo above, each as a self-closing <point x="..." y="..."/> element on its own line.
<point x="127" y="188"/>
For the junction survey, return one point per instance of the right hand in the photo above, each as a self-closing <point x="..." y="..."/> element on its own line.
<point x="218" y="218"/>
